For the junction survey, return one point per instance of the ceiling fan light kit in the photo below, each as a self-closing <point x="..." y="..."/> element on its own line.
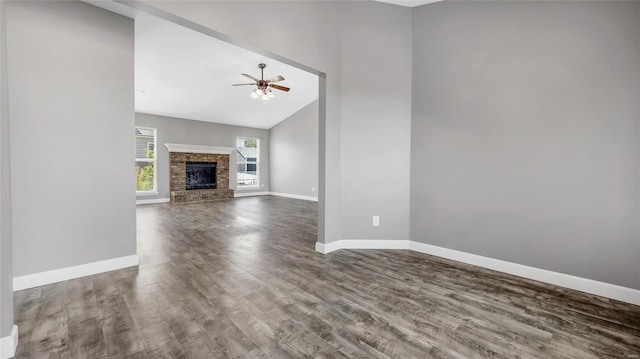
<point x="263" y="87"/>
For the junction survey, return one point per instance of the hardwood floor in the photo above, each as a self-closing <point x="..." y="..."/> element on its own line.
<point x="240" y="279"/>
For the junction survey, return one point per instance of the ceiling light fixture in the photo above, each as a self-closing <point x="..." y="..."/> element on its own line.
<point x="263" y="90"/>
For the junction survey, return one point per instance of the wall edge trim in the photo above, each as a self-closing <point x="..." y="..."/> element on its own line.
<point x="237" y="194"/>
<point x="152" y="201"/>
<point x="590" y="286"/>
<point x="296" y="196"/>
<point x="9" y="344"/>
<point x="73" y="272"/>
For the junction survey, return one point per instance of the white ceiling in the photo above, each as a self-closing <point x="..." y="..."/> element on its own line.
<point x="186" y="74"/>
<point x="409" y="3"/>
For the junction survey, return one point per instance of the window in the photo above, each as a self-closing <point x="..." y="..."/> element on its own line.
<point x="248" y="162"/>
<point x="145" y="160"/>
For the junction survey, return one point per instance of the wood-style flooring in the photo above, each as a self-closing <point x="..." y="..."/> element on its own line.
<point x="241" y="279"/>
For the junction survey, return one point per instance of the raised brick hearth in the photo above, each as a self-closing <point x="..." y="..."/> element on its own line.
<point x="177" y="182"/>
<point x="198" y="195"/>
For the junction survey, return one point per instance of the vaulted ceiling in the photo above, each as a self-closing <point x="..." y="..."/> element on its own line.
<point x="186" y="74"/>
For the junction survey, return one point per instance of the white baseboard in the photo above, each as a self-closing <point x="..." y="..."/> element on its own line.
<point x="9" y="344"/>
<point x="623" y="294"/>
<point x="249" y="194"/>
<point x="591" y="286"/>
<point x="328" y="247"/>
<point x="82" y="270"/>
<point x="152" y="201"/>
<point x="361" y="244"/>
<point x="296" y="196"/>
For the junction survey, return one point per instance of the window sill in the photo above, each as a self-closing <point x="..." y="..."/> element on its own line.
<point x="147" y="193"/>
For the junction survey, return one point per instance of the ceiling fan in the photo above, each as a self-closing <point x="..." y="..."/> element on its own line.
<point x="263" y="87"/>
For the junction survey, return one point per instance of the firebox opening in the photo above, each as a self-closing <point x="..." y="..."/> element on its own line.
<point x="201" y="175"/>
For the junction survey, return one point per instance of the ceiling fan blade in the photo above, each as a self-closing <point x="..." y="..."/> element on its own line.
<point x="275" y="79"/>
<point x="251" y="77"/>
<point x="281" y="88"/>
<point x="244" y="84"/>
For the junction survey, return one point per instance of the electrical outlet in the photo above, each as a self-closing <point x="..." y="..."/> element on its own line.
<point x="262" y="185"/>
<point x="376" y="221"/>
<point x="313" y="189"/>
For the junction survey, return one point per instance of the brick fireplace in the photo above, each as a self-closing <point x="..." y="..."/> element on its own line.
<point x="180" y="155"/>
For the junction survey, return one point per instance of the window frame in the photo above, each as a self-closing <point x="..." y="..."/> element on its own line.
<point x="257" y="162"/>
<point x="154" y="160"/>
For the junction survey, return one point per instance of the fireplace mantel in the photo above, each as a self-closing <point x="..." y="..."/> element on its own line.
<point x="214" y="150"/>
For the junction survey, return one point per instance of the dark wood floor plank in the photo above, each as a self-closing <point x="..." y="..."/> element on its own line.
<point x="240" y="279"/>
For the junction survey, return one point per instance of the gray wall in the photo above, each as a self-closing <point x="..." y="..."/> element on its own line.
<point x="376" y="120"/>
<point x="72" y="116"/>
<point x="182" y="131"/>
<point x="294" y="153"/>
<point x="6" y="258"/>
<point x="344" y="40"/>
<point x="525" y="142"/>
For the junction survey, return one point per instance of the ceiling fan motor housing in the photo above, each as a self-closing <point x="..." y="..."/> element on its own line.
<point x="262" y="84"/>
